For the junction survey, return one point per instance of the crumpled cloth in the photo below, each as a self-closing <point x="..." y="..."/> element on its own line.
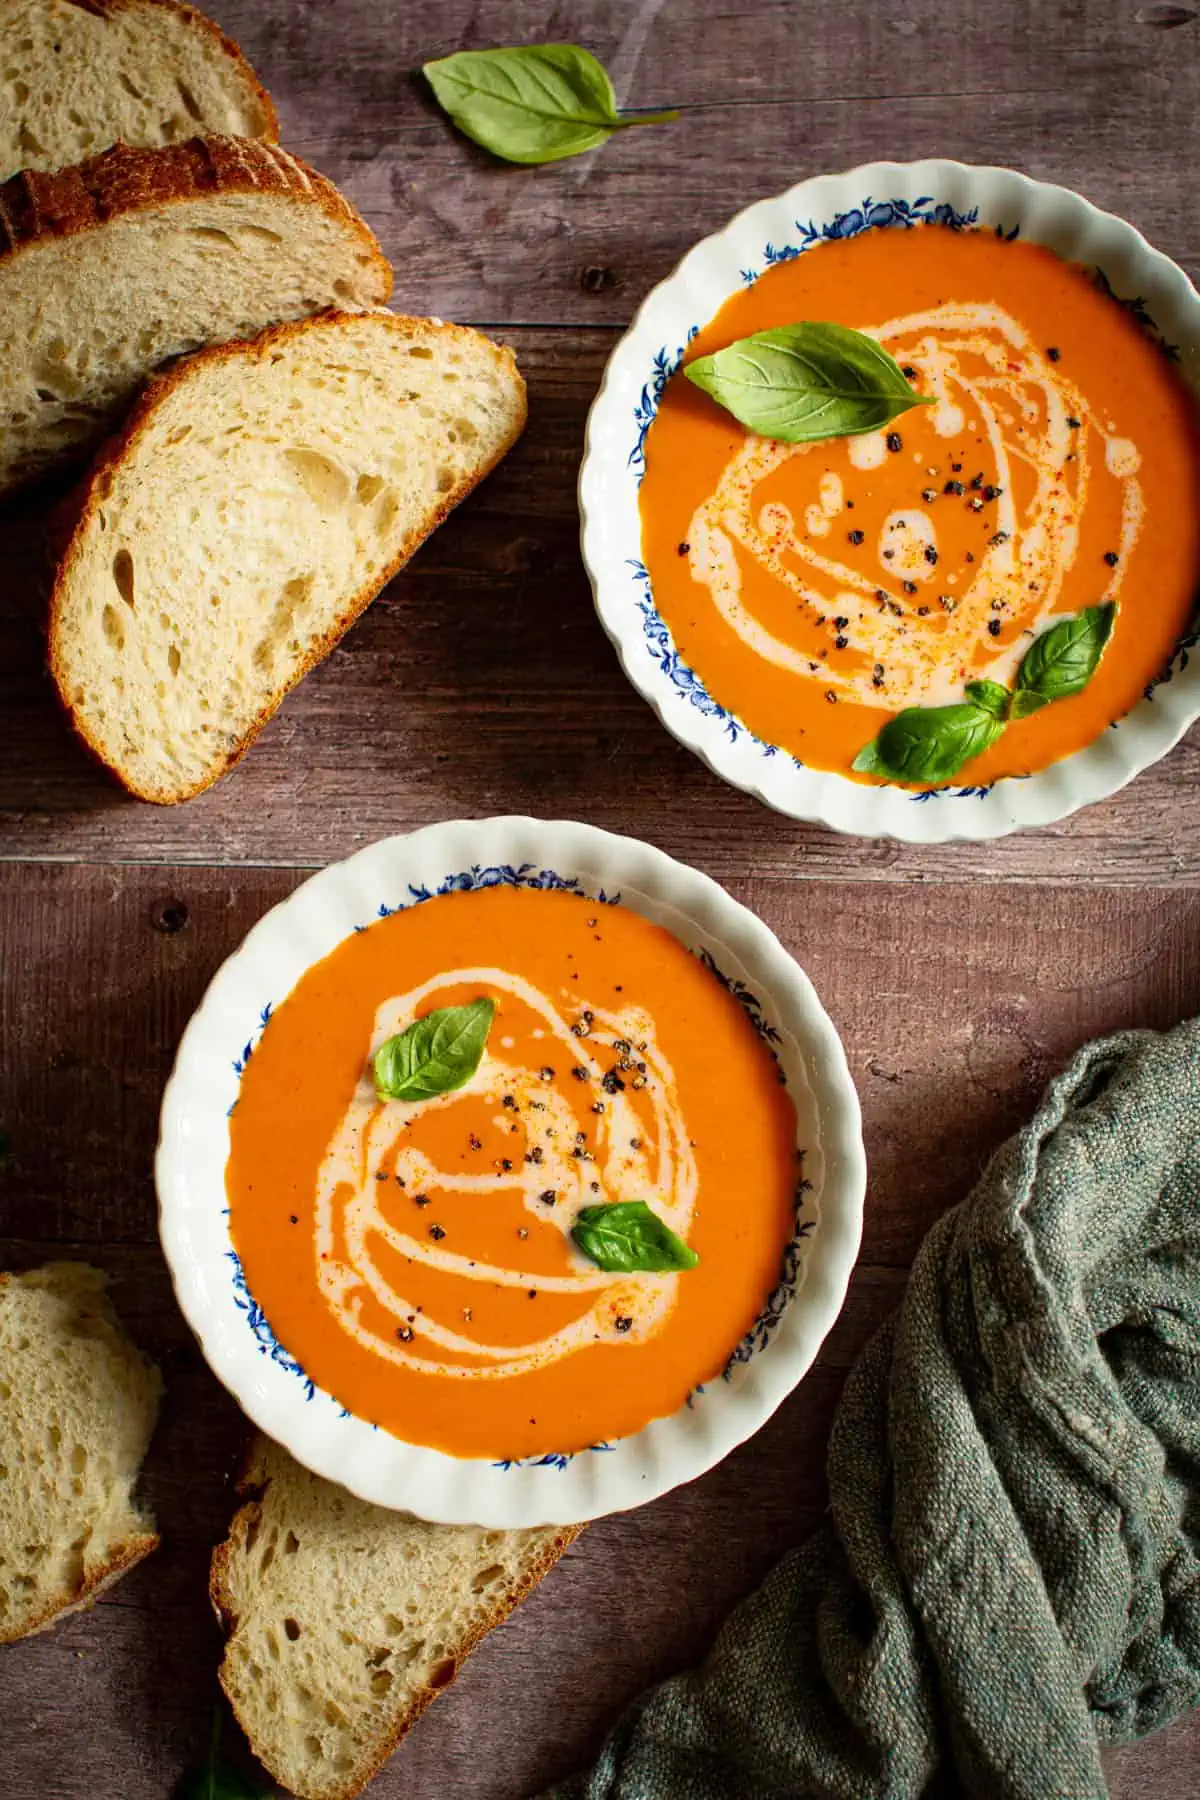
<point x="1010" y="1576"/>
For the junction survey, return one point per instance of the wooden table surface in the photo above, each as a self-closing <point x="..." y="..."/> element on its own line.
<point x="960" y="977"/>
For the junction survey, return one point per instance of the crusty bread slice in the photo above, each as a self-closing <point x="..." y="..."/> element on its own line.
<point x="110" y="267"/>
<point x="346" y="1620"/>
<point x="257" y="500"/>
<point x="79" y="75"/>
<point x="77" y="1406"/>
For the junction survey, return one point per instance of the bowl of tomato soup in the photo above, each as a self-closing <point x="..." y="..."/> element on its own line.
<point x="961" y="609"/>
<point x="510" y="1173"/>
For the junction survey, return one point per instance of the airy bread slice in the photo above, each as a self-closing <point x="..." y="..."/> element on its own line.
<point x="346" y="1620"/>
<point x="257" y="500"/>
<point x="79" y="75"/>
<point x="109" y="268"/>
<point x="77" y="1407"/>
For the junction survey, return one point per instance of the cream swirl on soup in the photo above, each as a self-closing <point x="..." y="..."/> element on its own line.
<point x="907" y="614"/>
<point x="466" y="1270"/>
<point x="638" y="1149"/>
<point x="1049" y="469"/>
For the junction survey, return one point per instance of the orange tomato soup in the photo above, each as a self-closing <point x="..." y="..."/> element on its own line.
<point x="416" y="1258"/>
<point x="819" y="589"/>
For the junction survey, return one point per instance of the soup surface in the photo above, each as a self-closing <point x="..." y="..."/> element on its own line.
<point x="416" y="1257"/>
<point x="819" y="589"/>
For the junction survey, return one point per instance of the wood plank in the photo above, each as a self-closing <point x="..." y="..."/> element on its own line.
<point x="771" y="93"/>
<point x="636" y="1598"/>
<point x="633" y="1598"/>
<point x="950" y="1032"/>
<point x="1166" y="1764"/>
<point x="482" y="682"/>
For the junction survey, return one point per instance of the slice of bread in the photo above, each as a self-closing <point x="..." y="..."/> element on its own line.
<point x="110" y="267"/>
<point x="346" y="1620"/>
<point x="257" y="500"/>
<point x="79" y="75"/>
<point x="78" y="1404"/>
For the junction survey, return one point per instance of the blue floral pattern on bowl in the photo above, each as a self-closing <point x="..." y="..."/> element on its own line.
<point x="665" y="364"/>
<point x="783" y="1293"/>
<point x="529" y="875"/>
<point x="870" y="215"/>
<point x="264" y="1337"/>
<point x="552" y="1459"/>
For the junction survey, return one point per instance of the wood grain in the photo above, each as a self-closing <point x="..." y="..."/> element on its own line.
<point x="959" y="977"/>
<point x="481" y="682"/>
<point x="950" y="1034"/>
<point x="770" y="93"/>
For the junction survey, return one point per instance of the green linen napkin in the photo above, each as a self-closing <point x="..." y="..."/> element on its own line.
<point x="1011" y="1572"/>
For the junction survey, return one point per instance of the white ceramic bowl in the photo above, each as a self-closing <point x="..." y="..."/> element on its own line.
<point x="877" y="196"/>
<point x="193" y="1149"/>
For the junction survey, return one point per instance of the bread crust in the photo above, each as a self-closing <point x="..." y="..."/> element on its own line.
<point x="124" y="1557"/>
<point x="105" y="9"/>
<point x="132" y="1551"/>
<point x="82" y="505"/>
<point x="254" y="1483"/>
<point x="38" y="206"/>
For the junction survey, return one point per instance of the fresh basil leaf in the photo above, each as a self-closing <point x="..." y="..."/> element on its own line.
<point x="932" y="743"/>
<point x="216" y="1780"/>
<point x="869" y="760"/>
<point x="991" y="695"/>
<point x="801" y="383"/>
<point x="929" y="743"/>
<point x="627" y="1236"/>
<point x="1063" y="659"/>
<point x="212" y="1778"/>
<point x="533" y="103"/>
<point x="436" y="1054"/>
<point x="1025" y="701"/>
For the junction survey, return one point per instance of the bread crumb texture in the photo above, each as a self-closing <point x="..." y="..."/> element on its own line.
<point x="119" y="264"/>
<point x="78" y="1403"/>
<point x="260" y="497"/>
<point x="79" y="75"/>
<point x="346" y="1620"/>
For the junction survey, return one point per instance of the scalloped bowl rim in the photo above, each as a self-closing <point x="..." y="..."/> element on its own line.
<point x="705" y="277"/>
<point x="193" y="1148"/>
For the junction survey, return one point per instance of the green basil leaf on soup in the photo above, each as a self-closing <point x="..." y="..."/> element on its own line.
<point x="436" y="1054"/>
<point x="928" y="744"/>
<point x="533" y="103"/>
<point x="1063" y="659"/>
<point x="1025" y="701"/>
<point x="991" y="695"/>
<point x="801" y="383"/>
<point x="628" y="1236"/>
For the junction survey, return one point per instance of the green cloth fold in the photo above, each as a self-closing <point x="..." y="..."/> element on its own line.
<point x="1011" y="1572"/>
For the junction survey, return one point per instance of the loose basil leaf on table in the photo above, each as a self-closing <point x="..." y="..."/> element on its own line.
<point x="930" y="743"/>
<point x="213" y="1778"/>
<point x="533" y="103"/>
<point x="436" y="1054"/>
<point x="627" y="1236"/>
<point x="1063" y="660"/>
<point x="216" y="1780"/>
<point x="801" y="383"/>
